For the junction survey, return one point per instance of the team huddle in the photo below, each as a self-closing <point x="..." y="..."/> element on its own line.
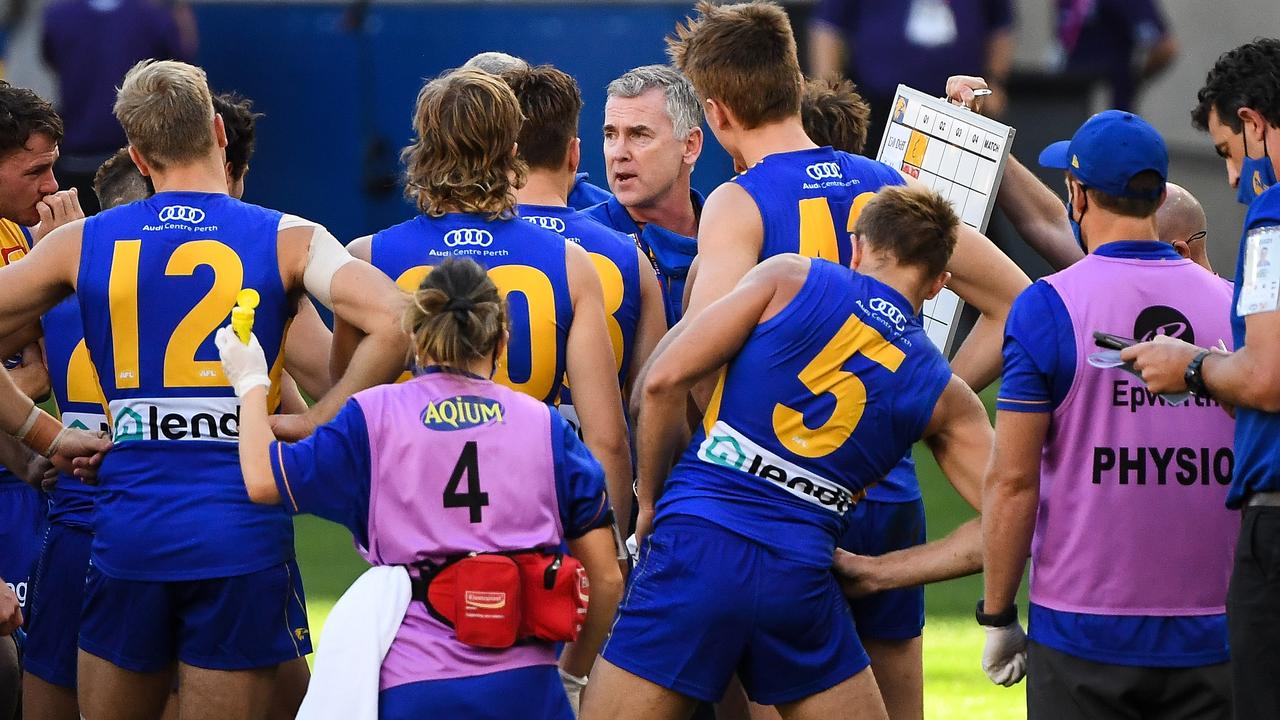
<point x="616" y="453"/>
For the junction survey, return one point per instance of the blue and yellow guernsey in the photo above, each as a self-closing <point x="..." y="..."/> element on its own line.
<point x="157" y="278"/>
<point x="822" y="400"/>
<point x="617" y="264"/>
<point x="525" y="261"/>
<point x="809" y="200"/>
<point x="75" y="386"/>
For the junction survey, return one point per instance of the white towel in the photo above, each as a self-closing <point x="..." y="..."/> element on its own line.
<point x="356" y="638"/>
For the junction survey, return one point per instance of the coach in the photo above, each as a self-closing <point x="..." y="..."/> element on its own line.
<point x="1239" y="106"/>
<point x="1132" y="550"/>
<point x="652" y="138"/>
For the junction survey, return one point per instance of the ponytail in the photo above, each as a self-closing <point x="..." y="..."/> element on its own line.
<point x="456" y="316"/>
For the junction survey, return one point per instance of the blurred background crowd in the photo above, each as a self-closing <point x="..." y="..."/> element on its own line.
<point x="336" y="79"/>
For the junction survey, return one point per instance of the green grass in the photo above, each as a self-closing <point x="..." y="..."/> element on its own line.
<point x="955" y="686"/>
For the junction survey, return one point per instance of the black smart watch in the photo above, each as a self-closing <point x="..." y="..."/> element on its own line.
<point x="1194" y="375"/>
<point x="1008" y="617"/>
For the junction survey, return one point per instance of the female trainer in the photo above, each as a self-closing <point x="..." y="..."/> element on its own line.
<point x="439" y="469"/>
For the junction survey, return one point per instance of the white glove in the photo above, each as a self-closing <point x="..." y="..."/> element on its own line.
<point x="573" y="686"/>
<point x="244" y="365"/>
<point x="1004" y="657"/>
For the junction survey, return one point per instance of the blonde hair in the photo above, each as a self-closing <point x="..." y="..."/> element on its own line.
<point x="457" y="315"/>
<point x="166" y="110"/>
<point x="462" y="159"/>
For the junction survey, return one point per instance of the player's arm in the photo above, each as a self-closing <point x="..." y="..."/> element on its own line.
<point x="291" y="400"/>
<point x="306" y="350"/>
<point x="345" y="335"/>
<point x="730" y="235"/>
<point x="652" y="323"/>
<point x="358" y="294"/>
<point x="960" y="437"/>
<point x="31" y="288"/>
<point x="1037" y="215"/>
<point x="591" y="368"/>
<point x="707" y="342"/>
<point x="32" y="377"/>
<point x="1033" y="209"/>
<point x="36" y="283"/>
<point x="988" y="280"/>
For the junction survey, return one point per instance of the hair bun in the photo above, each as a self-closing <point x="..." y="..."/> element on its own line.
<point x="459" y="304"/>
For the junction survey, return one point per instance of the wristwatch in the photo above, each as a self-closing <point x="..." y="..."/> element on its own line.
<point x="1008" y="617"/>
<point x="1194" y="376"/>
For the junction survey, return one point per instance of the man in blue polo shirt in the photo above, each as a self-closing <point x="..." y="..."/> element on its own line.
<point x="1089" y="468"/>
<point x="1239" y="106"/>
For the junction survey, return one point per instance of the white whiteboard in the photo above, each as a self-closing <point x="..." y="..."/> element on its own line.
<point x="961" y="155"/>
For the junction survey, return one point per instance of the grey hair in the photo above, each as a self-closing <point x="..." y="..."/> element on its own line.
<point x="495" y="63"/>
<point x="683" y="106"/>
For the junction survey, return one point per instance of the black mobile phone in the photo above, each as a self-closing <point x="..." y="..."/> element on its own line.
<point x="1112" y="342"/>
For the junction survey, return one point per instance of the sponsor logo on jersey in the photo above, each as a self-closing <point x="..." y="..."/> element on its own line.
<point x="726" y="447"/>
<point x="461" y="412"/>
<point x="551" y="223"/>
<point x="215" y="419"/>
<point x="1162" y="320"/>
<point x="19" y="589"/>
<point x="888" y="311"/>
<point x="92" y="422"/>
<point x="468" y="236"/>
<point x="823" y="170"/>
<point x="181" y="214"/>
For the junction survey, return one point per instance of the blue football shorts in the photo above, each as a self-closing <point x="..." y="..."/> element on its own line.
<point x="704" y="604"/>
<point x="878" y="528"/>
<point x="243" y="622"/>
<point x="53" y="625"/>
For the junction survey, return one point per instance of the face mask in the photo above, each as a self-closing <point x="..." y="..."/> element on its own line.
<point x="1075" y="226"/>
<point x="1256" y="174"/>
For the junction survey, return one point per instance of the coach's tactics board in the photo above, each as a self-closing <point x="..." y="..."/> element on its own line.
<point x="961" y="155"/>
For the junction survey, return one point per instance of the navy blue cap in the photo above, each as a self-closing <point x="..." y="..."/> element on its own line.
<point x="1108" y="150"/>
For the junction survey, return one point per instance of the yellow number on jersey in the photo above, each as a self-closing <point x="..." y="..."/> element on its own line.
<point x="181" y="369"/>
<point x="818" y="230"/>
<point x="82" y="378"/>
<point x="825" y="375"/>
<point x="614" y="294"/>
<point x="540" y="297"/>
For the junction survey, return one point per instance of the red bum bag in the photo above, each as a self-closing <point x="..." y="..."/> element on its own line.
<point x="494" y="600"/>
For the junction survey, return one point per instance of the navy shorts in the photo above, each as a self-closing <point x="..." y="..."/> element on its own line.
<point x="242" y="622"/>
<point x="534" y="692"/>
<point x="54" y="622"/>
<point x="22" y="511"/>
<point x="877" y="528"/>
<point x="704" y="604"/>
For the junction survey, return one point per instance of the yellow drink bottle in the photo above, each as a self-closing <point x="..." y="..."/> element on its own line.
<point x="242" y="314"/>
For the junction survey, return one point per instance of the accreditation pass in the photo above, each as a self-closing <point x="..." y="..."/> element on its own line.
<point x="1260" y="286"/>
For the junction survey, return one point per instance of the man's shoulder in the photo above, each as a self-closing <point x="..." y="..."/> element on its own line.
<point x="1265" y="209"/>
